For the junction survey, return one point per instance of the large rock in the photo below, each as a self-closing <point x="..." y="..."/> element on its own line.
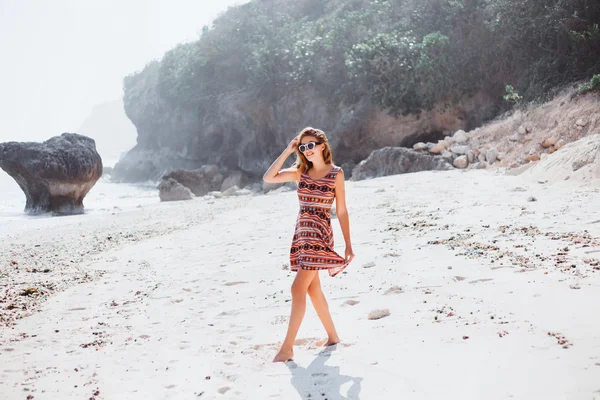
<point x="439" y="147"/>
<point x="491" y="155"/>
<point x="461" y="162"/>
<point x="461" y="150"/>
<point x="171" y="190"/>
<point x="200" y="181"/>
<point x="237" y="178"/>
<point x="397" y="160"/>
<point x="55" y="175"/>
<point x="460" y="136"/>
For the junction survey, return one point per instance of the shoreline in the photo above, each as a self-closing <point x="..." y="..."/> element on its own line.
<point x="483" y="299"/>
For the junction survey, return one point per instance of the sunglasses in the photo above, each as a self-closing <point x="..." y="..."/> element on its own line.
<point x="307" y="146"/>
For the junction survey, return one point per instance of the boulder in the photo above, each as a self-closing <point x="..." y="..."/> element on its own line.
<point x="548" y="142"/>
<point x="55" y="175"/>
<point x="461" y="162"/>
<point x="447" y="154"/>
<point x="450" y="140"/>
<point x="470" y="157"/>
<point x="491" y="155"/>
<point x="460" y="149"/>
<point x="200" y="181"/>
<point x="397" y="160"/>
<point x="237" y="178"/>
<point x="420" y="146"/>
<point x="437" y="148"/>
<point x="171" y="190"/>
<point x="236" y="191"/>
<point x="460" y="136"/>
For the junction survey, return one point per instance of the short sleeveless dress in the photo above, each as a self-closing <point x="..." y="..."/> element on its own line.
<point x="312" y="245"/>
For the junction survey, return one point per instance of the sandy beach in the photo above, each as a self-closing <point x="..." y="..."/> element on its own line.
<point x="488" y="286"/>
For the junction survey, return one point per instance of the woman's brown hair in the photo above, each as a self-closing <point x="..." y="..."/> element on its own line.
<point x="302" y="162"/>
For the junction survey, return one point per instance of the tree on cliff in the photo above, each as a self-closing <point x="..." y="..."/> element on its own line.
<point x="404" y="56"/>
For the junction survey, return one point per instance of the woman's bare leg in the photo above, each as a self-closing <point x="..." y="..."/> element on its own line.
<point x="322" y="308"/>
<point x="299" y="290"/>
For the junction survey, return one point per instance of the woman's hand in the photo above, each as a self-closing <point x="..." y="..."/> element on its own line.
<point x="349" y="253"/>
<point x="293" y="145"/>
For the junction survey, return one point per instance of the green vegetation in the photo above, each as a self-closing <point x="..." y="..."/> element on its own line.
<point x="593" y="85"/>
<point x="511" y="95"/>
<point x="405" y="54"/>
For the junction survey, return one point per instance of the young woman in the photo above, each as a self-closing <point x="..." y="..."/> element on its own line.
<point x="319" y="183"/>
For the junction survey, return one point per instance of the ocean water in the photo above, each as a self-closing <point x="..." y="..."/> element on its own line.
<point x="102" y="198"/>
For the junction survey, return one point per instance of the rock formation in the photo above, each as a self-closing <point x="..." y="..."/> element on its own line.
<point x="55" y="175"/>
<point x="397" y="160"/>
<point x="200" y="181"/>
<point x="243" y="132"/>
<point x="171" y="190"/>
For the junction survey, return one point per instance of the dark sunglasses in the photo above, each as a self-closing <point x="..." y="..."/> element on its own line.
<point x="307" y="146"/>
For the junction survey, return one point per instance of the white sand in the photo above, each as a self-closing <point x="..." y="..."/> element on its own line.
<point x="577" y="161"/>
<point x="194" y="304"/>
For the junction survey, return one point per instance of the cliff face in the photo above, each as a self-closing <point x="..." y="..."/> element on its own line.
<point x="266" y="69"/>
<point x="243" y="132"/>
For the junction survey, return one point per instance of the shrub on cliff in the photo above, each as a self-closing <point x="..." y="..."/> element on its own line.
<point x="405" y="55"/>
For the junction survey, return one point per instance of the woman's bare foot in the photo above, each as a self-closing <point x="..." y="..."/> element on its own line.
<point x="328" y="342"/>
<point x="284" y="355"/>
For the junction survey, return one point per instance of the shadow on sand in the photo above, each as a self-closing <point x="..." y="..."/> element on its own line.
<point x="320" y="381"/>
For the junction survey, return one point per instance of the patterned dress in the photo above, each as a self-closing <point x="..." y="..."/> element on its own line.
<point x="312" y="245"/>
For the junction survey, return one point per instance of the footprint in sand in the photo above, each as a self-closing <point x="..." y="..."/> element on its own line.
<point x="482" y="280"/>
<point x="378" y="314"/>
<point x="394" y="290"/>
<point x="280" y="319"/>
<point x="310" y="343"/>
<point x="224" y="390"/>
<point x="351" y="302"/>
<point x="235" y="283"/>
<point x="227" y="313"/>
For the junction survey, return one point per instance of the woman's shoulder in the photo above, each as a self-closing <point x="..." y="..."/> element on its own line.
<point x="336" y="169"/>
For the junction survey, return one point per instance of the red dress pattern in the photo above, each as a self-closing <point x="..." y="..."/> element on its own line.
<point x="312" y="245"/>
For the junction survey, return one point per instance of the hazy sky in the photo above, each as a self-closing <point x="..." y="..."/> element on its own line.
<point x="59" y="58"/>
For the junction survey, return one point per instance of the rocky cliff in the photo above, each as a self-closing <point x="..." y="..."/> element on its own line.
<point x="246" y="134"/>
<point x="369" y="73"/>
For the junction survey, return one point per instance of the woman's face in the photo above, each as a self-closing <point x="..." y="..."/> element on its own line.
<point x="311" y="148"/>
